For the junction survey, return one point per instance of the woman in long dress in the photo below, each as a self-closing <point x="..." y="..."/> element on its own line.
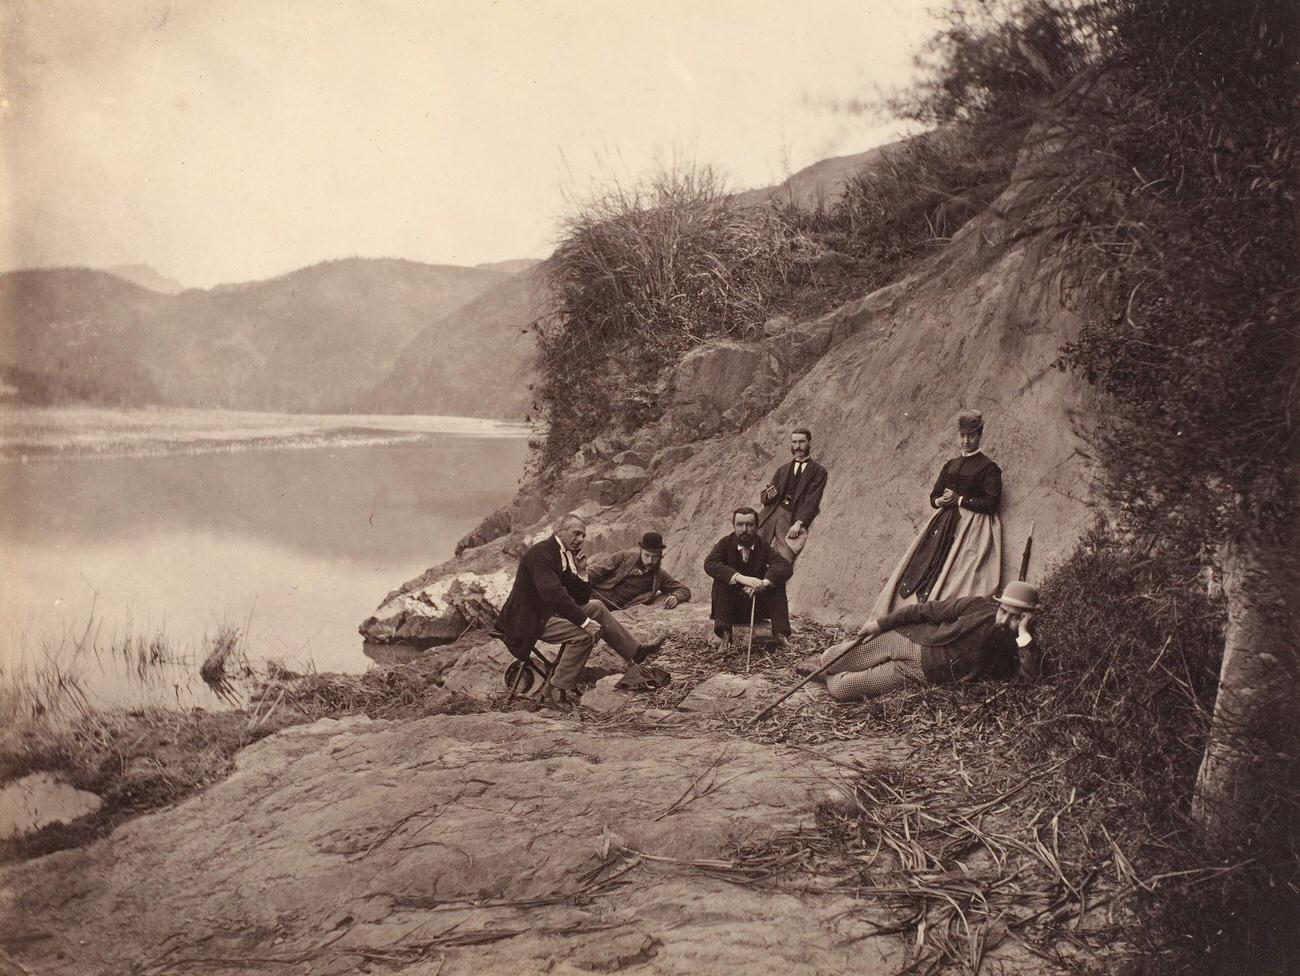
<point x="959" y="552"/>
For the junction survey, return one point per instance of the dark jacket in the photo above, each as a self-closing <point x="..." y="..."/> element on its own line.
<point x="610" y="570"/>
<point x="806" y="496"/>
<point x="729" y="604"/>
<point x="959" y="639"/>
<point x="976" y="479"/>
<point x="542" y="589"/>
<point x="723" y="562"/>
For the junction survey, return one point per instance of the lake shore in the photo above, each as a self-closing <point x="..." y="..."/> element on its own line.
<point x="30" y="433"/>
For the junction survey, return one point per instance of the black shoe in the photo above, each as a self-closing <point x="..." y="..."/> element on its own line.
<point x="649" y="649"/>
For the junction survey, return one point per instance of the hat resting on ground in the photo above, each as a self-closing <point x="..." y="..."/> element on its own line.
<point x="653" y="542"/>
<point x="1019" y="596"/>
<point x="970" y="421"/>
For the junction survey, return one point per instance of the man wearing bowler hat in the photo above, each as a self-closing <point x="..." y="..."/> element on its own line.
<point x="939" y="642"/>
<point x="632" y="577"/>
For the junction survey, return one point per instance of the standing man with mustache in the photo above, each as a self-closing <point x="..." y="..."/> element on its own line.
<point x="792" y="498"/>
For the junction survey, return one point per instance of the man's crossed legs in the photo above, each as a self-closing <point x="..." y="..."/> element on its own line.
<point x="577" y="644"/>
<point x="886" y="663"/>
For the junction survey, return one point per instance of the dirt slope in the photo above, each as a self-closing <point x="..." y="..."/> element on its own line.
<point x="979" y="327"/>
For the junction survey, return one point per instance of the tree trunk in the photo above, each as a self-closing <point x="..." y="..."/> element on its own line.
<point x="1247" y="778"/>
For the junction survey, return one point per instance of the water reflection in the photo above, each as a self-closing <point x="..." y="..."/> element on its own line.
<point x="295" y="547"/>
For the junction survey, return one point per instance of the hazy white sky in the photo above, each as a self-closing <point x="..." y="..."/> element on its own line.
<point x="224" y="140"/>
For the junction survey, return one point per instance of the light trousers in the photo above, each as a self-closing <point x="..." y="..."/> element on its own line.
<point x="887" y="663"/>
<point x="576" y="644"/>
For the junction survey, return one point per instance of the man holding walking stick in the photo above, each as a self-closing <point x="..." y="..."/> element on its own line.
<point x="939" y="642"/>
<point x="748" y="580"/>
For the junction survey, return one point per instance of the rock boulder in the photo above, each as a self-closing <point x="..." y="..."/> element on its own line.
<point x="458" y="844"/>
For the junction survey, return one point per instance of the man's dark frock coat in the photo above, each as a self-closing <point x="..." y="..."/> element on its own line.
<point x="542" y="589"/>
<point x="729" y="603"/>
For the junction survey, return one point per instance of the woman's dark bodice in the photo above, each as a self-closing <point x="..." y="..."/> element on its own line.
<point x="975" y="479"/>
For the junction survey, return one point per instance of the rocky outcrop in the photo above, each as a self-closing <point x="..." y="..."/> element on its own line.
<point x="487" y="843"/>
<point x="493" y="527"/>
<point x="439" y="612"/>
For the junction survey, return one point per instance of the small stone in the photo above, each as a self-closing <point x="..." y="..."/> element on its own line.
<point x="671" y="456"/>
<point x="632" y="457"/>
<point x="726" y="693"/>
<point x="603" y="697"/>
<point x="662" y="503"/>
<point x="493" y="527"/>
<point x="777" y="324"/>
<point x="525" y="510"/>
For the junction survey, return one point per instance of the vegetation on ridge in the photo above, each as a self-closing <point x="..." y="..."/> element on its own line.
<point x="1163" y="146"/>
<point x="643" y="275"/>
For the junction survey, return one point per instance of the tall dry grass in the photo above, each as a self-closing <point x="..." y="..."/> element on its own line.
<point x="643" y="274"/>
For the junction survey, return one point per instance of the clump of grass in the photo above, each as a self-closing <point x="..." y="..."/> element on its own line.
<point x="226" y="665"/>
<point x="641" y="275"/>
<point x="398" y="691"/>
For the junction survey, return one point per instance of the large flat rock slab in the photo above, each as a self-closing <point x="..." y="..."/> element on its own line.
<point x="489" y="843"/>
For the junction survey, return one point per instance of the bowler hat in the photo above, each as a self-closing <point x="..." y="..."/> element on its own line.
<point x="1019" y="596"/>
<point x="653" y="542"/>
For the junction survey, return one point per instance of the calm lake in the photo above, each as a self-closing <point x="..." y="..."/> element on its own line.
<point x="294" y="542"/>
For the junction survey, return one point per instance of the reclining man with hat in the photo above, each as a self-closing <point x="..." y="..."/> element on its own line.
<point x="939" y="642"/>
<point x="631" y="577"/>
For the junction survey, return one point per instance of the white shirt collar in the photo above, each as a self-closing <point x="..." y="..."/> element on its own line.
<point x="566" y="557"/>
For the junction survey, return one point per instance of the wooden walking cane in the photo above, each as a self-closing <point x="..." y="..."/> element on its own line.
<point x="853" y="646"/>
<point x="753" y="612"/>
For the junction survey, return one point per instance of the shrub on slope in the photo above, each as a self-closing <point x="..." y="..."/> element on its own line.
<point x="641" y="276"/>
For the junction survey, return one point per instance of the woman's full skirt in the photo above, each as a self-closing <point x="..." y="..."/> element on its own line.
<point x="972" y="565"/>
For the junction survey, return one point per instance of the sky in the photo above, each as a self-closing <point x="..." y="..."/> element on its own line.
<point x="230" y="140"/>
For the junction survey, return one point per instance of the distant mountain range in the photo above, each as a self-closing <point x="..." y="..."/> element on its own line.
<point x="479" y="359"/>
<point x="312" y="340"/>
<point x="146" y="277"/>
<point x="354" y="335"/>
